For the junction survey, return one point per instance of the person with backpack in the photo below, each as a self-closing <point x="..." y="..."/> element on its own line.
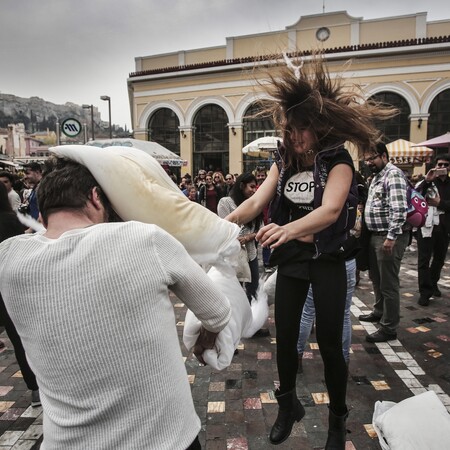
<point x="385" y="216"/>
<point x="433" y="238"/>
<point x="311" y="213"/>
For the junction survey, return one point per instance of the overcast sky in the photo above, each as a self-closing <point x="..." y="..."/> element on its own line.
<point x="78" y="50"/>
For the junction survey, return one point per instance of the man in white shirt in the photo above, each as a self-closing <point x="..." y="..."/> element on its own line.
<point x="73" y="288"/>
<point x="7" y="179"/>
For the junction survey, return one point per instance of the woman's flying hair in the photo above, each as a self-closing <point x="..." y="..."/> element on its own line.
<point x="305" y="96"/>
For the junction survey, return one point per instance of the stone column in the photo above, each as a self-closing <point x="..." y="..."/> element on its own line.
<point x="186" y="149"/>
<point x="418" y="126"/>
<point x="235" y="146"/>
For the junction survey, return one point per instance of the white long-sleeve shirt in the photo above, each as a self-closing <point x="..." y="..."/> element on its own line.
<point x="14" y="199"/>
<point x="93" y="311"/>
<point x="227" y="206"/>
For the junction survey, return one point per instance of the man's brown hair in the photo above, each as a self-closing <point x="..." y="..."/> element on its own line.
<point x="66" y="185"/>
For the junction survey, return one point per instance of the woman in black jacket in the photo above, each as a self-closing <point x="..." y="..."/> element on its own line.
<point x="311" y="192"/>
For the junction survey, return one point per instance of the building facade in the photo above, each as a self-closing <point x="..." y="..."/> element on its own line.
<point x="202" y="103"/>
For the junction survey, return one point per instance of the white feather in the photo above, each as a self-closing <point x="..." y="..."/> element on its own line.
<point x="292" y="66"/>
<point x="29" y="222"/>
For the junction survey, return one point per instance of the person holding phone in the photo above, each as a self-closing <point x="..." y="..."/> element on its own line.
<point x="433" y="238"/>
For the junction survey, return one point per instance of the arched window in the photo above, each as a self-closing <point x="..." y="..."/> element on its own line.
<point x="163" y="129"/>
<point x="211" y="139"/>
<point x="255" y="127"/>
<point x="439" y="120"/>
<point x="398" y="126"/>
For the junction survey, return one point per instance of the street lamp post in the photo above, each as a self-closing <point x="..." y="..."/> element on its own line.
<point x="58" y="132"/>
<point x="108" y="99"/>
<point x="91" y="107"/>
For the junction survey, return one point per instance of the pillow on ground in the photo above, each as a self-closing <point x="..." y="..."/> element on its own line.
<point x="417" y="423"/>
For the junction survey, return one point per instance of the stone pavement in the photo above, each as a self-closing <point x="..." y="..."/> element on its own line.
<point x="237" y="407"/>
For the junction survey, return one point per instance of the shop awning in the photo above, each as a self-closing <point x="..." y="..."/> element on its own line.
<point x="8" y="163"/>
<point x="440" y="141"/>
<point x="403" y="152"/>
<point x="163" y="155"/>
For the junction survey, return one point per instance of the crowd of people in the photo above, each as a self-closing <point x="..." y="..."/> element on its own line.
<point x="312" y="215"/>
<point x="383" y="231"/>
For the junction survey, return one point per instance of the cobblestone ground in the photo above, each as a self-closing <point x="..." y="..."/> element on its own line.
<point x="237" y="407"/>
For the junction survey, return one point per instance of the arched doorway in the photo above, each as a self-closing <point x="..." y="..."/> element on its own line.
<point x="439" y="119"/>
<point x="163" y="129"/>
<point x="211" y="139"/>
<point x="397" y="127"/>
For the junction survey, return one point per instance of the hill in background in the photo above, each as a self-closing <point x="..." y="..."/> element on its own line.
<point x="38" y="114"/>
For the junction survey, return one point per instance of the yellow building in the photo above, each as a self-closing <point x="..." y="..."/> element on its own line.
<point x="201" y="103"/>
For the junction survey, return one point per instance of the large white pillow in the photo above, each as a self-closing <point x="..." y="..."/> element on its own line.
<point x="139" y="189"/>
<point x="244" y="322"/>
<point x="417" y="423"/>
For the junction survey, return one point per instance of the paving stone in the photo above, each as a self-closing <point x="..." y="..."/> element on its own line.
<point x="242" y="407"/>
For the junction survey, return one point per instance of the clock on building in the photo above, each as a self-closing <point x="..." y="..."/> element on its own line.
<point x="322" y="34"/>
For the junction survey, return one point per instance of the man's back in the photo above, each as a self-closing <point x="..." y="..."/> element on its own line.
<point x="85" y="292"/>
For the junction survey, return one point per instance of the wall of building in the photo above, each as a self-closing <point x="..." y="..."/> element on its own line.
<point x="417" y="72"/>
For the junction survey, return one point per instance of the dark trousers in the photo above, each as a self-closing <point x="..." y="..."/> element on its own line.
<point x="329" y="284"/>
<point x="384" y="269"/>
<point x="195" y="445"/>
<point x="434" y="249"/>
<point x="27" y="373"/>
<point x="252" y="287"/>
<point x="266" y="255"/>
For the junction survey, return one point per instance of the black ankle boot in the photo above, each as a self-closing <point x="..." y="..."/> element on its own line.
<point x="336" y="431"/>
<point x="290" y="411"/>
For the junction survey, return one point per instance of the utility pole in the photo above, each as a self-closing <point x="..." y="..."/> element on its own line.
<point x="108" y="99"/>
<point x="91" y="107"/>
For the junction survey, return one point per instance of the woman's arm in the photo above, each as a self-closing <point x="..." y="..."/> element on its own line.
<point x="334" y="196"/>
<point x="254" y="205"/>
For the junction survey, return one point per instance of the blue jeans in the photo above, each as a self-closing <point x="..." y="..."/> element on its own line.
<point x="309" y="314"/>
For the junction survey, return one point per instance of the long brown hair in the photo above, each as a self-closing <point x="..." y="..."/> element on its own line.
<point x="307" y="97"/>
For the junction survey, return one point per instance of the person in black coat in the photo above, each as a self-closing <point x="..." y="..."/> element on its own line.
<point x="10" y="226"/>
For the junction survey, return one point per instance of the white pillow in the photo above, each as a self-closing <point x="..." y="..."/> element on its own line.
<point x="244" y="321"/>
<point x="139" y="189"/>
<point x="270" y="286"/>
<point x="417" y="423"/>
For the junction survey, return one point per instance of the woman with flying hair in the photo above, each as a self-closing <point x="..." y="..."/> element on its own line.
<point x="308" y="188"/>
